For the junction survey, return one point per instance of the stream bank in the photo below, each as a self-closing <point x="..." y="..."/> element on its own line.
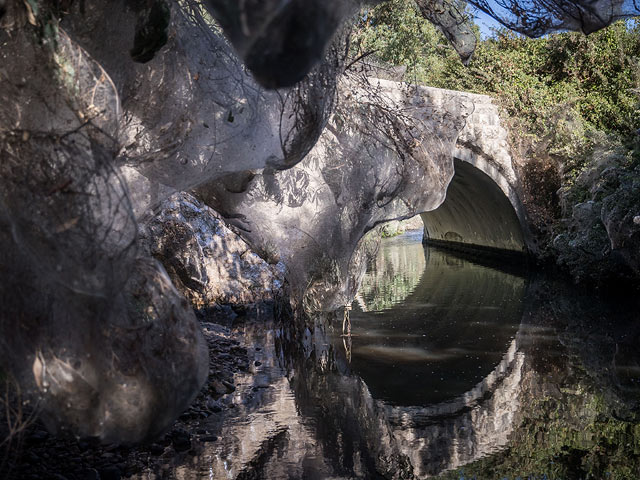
<point x="454" y="367"/>
<point x="37" y="455"/>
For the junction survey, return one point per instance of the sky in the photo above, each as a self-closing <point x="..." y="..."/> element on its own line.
<point x="486" y="23"/>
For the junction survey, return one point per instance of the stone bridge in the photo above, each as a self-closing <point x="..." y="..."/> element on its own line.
<point x="389" y="151"/>
<point x="482" y="207"/>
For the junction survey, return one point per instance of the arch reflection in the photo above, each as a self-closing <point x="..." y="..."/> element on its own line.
<point x="443" y="336"/>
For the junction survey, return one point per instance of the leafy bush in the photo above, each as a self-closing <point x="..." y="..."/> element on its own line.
<point x="571" y="101"/>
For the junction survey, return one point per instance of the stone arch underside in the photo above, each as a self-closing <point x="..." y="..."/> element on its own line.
<point x="475" y="213"/>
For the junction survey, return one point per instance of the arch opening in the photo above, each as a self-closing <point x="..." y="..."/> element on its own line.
<point x="476" y="215"/>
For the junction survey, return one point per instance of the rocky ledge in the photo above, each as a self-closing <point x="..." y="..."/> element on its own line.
<point x="226" y="283"/>
<point x="209" y="263"/>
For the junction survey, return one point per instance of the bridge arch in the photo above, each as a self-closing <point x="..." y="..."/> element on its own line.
<point x="476" y="213"/>
<point x="482" y="208"/>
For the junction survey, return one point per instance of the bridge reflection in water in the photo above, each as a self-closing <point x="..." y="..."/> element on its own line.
<point x="453" y="365"/>
<point x="435" y="325"/>
<point x="435" y="342"/>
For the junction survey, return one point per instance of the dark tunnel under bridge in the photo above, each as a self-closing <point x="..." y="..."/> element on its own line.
<point x="478" y="215"/>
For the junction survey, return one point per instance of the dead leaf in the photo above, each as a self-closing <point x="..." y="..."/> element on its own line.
<point x="67" y="225"/>
<point x="30" y="15"/>
<point x="38" y="371"/>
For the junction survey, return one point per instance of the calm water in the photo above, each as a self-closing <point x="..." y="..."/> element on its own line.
<point x="454" y="369"/>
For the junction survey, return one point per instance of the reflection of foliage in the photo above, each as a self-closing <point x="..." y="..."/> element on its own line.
<point x="324" y="273"/>
<point x="392" y="277"/>
<point x="567" y="438"/>
<point x="388" y="292"/>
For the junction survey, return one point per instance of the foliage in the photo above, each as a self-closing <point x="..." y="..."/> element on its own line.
<point x="564" y="440"/>
<point x="571" y="100"/>
<point x="397" y="34"/>
<point x="592" y="80"/>
<point x="596" y="76"/>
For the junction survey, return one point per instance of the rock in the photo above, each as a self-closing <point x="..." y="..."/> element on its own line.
<point x="586" y="215"/>
<point x="325" y="253"/>
<point x="180" y="439"/>
<point x="601" y="243"/>
<point x="89" y="474"/>
<point x="621" y="218"/>
<point x="213" y="405"/>
<point x="209" y="263"/>
<point x="229" y="386"/>
<point x="110" y="473"/>
<point x="156" y="449"/>
<point x="136" y="397"/>
<point x="32" y="457"/>
<point x="220" y="387"/>
<point x="37" y="437"/>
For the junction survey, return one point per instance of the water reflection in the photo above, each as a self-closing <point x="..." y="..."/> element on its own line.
<point x="394" y="273"/>
<point x="464" y="368"/>
<point x="434" y="341"/>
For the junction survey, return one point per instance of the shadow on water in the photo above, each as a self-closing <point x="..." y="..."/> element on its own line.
<point x="454" y="369"/>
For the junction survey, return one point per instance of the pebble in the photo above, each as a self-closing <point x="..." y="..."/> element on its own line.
<point x="156" y="449"/>
<point x="37" y="436"/>
<point x="110" y="473"/>
<point x="230" y="386"/>
<point x="32" y="457"/>
<point x="181" y="440"/>
<point x="218" y="387"/>
<point x="237" y="349"/>
<point x="89" y="474"/>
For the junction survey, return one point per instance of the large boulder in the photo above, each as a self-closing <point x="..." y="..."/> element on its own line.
<point x="209" y="263"/>
<point x="386" y="154"/>
<point x="96" y="335"/>
<point x="125" y="381"/>
<point x="621" y="218"/>
<point x="601" y="240"/>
